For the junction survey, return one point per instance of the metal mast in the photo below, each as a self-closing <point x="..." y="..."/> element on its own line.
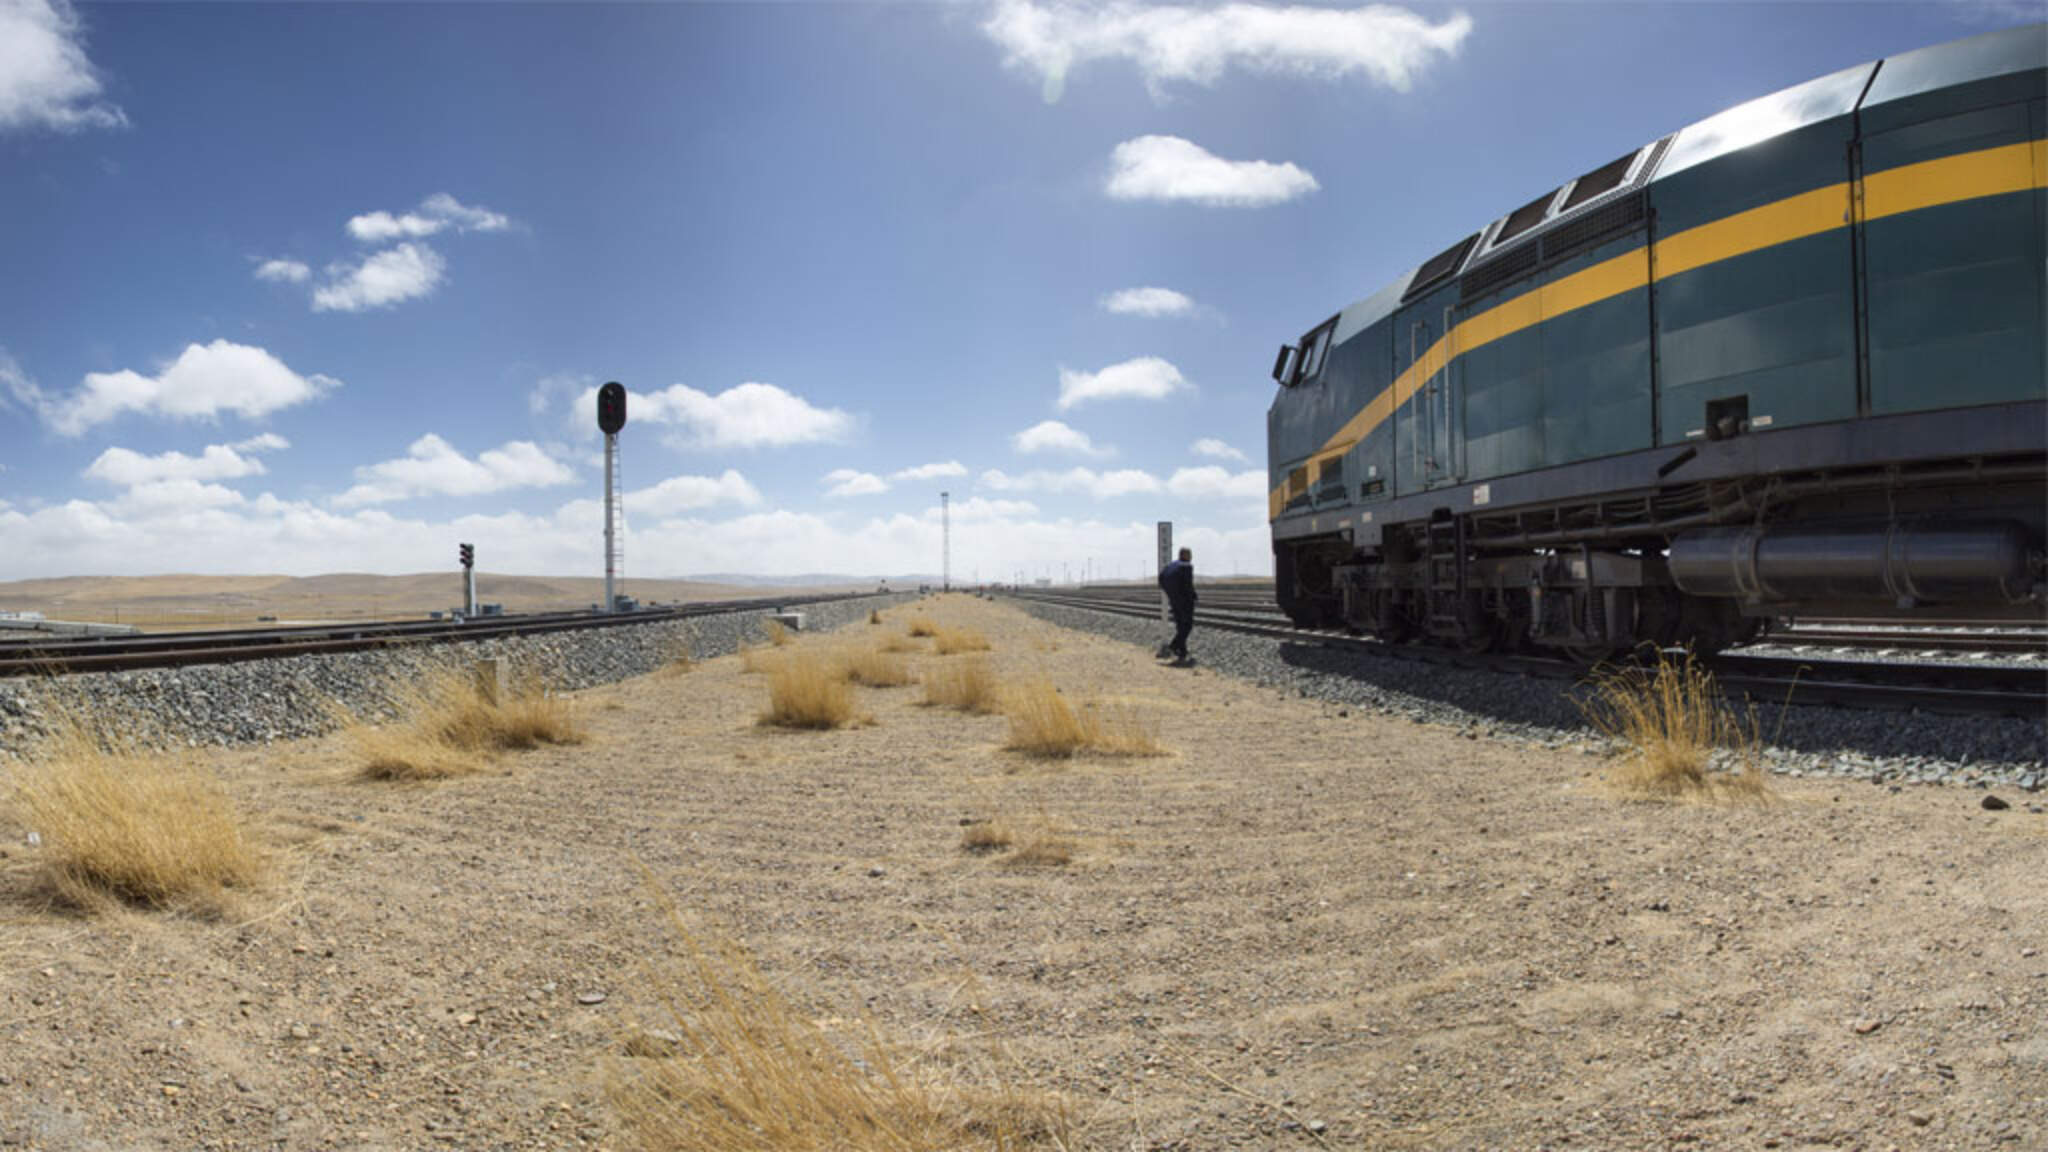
<point x="611" y="521"/>
<point x="946" y="541"/>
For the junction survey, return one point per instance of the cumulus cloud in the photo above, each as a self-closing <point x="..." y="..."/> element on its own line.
<point x="433" y="467"/>
<point x="16" y="389"/>
<point x="203" y="382"/>
<point x="1172" y="170"/>
<point x="1387" y="44"/>
<point x="283" y="272"/>
<point x="749" y="415"/>
<point x="126" y="468"/>
<point x="1146" y="378"/>
<point x="381" y="280"/>
<point x="45" y="79"/>
<point x="1074" y="481"/>
<point x="1148" y="302"/>
<point x="1053" y="436"/>
<point x="1211" y="482"/>
<point x="1216" y="450"/>
<point x="437" y="213"/>
<point x="679" y="494"/>
<point x="844" y="482"/>
<point x="933" y="471"/>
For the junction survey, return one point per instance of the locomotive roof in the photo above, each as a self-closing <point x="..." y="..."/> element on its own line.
<point x="2015" y="56"/>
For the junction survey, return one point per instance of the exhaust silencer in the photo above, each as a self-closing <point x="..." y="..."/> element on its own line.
<point x="1927" y="563"/>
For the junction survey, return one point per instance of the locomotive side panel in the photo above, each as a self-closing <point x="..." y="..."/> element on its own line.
<point x="1952" y="226"/>
<point x="1597" y="395"/>
<point x="1755" y="289"/>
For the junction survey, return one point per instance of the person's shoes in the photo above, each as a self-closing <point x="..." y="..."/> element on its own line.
<point x="1165" y="650"/>
<point x="1183" y="661"/>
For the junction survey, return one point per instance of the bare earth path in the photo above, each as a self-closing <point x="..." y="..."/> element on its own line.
<point x="1299" y="929"/>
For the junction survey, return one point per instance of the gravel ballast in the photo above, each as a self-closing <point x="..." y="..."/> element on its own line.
<point x="296" y="696"/>
<point x="1800" y="740"/>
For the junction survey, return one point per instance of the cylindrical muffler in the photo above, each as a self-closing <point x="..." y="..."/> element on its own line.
<point x="1928" y="563"/>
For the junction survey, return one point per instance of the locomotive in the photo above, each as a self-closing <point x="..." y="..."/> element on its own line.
<point x="1786" y="361"/>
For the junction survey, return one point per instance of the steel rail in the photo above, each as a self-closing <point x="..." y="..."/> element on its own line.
<point x="124" y="653"/>
<point x="1971" y="689"/>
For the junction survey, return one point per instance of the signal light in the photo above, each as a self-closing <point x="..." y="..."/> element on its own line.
<point x="468" y="554"/>
<point x="611" y="407"/>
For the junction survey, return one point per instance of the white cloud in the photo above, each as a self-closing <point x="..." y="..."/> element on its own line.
<point x="1074" y="481"/>
<point x="1216" y="450"/>
<point x="204" y="381"/>
<point x="749" y="415"/>
<point x="847" y="482"/>
<point x="933" y="471"/>
<point x="1148" y="302"/>
<point x="981" y="508"/>
<point x="688" y="493"/>
<point x="432" y="467"/>
<point x="212" y="530"/>
<point x="130" y="469"/>
<point x="45" y="79"/>
<point x="550" y="390"/>
<point x="1388" y="44"/>
<point x="436" y="213"/>
<point x="381" y="280"/>
<point x="16" y="388"/>
<point x="1146" y="378"/>
<point x="1170" y="169"/>
<point x="1053" y="436"/>
<point x="1210" y="482"/>
<point x="283" y="272"/>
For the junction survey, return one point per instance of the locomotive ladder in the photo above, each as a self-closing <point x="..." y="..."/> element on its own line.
<point x="1444" y="573"/>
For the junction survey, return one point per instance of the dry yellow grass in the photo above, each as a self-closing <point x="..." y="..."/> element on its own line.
<point x="901" y="644"/>
<point x="121" y="824"/>
<point x="778" y="633"/>
<point x="1043" y="723"/>
<point x="738" y="1068"/>
<point x="953" y="641"/>
<point x="757" y="659"/>
<point x="963" y="685"/>
<point x="875" y="668"/>
<point x="1675" y="723"/>
<point x="450" y="728"/>
<point x="874" y="616"/>
<point x="921" y="626"/>
<point x="1034" y="844"/>
<point x="803" y="692"/>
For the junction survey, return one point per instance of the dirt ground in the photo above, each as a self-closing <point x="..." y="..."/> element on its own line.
<point x="1300" y="928"/>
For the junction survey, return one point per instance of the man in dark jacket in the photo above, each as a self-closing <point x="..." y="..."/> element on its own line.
<point x="1178" y="581"/>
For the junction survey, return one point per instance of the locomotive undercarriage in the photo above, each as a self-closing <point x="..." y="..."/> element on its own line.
<point x="1709" y="565"/>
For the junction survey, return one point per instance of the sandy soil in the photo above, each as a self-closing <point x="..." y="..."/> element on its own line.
<point x="1300" y="928"/>
<point x="161" y="603"/>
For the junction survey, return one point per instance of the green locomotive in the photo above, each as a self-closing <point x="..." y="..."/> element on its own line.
<point x="1786" y="361"/>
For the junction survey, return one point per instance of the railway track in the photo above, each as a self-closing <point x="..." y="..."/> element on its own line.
<point x="1891" y="687"/>
<point x="58" y="656"/>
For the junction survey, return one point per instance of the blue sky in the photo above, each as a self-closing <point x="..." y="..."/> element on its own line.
<point x="320" y="288"/>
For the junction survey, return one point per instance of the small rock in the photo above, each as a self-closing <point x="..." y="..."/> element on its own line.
<point x="301" y="1032"/>
<point x="1992" y="803"/>
<point x="876" y="872"/>
<point x="1866" y="1027"/>
<point x="589" y="998"/>
<point x="1920" y="1119"/>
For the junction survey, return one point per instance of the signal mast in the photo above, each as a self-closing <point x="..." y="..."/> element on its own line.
<point x="611" y="416"/>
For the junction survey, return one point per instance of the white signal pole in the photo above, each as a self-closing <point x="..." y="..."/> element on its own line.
<point x="945" y="541"/>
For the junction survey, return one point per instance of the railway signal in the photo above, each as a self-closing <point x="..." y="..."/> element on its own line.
<point x="611" y="416"/>
<point x="467" y="553"/>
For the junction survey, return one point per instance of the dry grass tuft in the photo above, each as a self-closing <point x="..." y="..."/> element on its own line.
<point x="737" y="1068"/>
<point x="1043" y="724"/>
<point x="451" y="727"/>
<point x="123" y="825"/>
<point x="777" y="632"/>
<point x="1043" y="847"/>
<point x="876" y="668"/>
<point x="757" y="659"/>
<point x="987" y="836"/>
<point x="874" y="615"/>
<point x="964" y="686"/>
<point x="1035" y="844"/>
<point x="901" y="644"/>
<point x="676" y="656"/>
<point x="952" y="641"/>
<point x="920" y="626"/>
<point x="1676" y="724"/>
<point x="803" y="692"/>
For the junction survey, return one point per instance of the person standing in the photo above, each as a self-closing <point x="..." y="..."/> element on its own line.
<point x="1177" y="580"/>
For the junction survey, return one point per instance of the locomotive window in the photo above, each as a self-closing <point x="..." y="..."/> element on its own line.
<point x="1524" y="218"/>
<point x="1314" y="348"/>
<point x="1605" y="178"/>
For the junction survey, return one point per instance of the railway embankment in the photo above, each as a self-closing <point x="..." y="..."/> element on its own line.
<point x="290" y="697"/>
<point x="1885" y="748"/>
